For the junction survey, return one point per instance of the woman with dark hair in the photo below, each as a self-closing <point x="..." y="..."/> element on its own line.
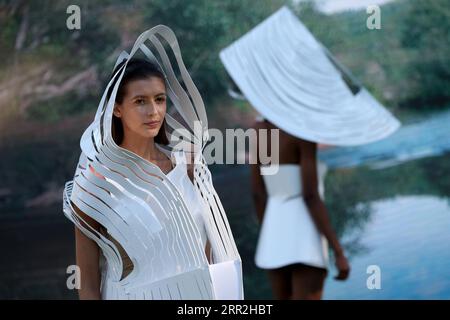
<point x="149" y="76"/>
<point x="137" y="125"/>
<point x="149" y="224"/>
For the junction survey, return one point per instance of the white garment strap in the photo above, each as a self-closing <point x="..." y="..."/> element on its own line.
<point x="180" y="158"/>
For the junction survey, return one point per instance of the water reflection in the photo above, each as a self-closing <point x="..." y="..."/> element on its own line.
<point x="379" y="215"/>
<point x="397" y="218"/>
<point x="408" y="237"/>
<point x="429" y="137"/>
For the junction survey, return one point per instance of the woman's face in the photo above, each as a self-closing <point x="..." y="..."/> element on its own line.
<point x="143" y="108"/>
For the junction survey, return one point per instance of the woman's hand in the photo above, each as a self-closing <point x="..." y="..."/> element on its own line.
<point x="342" y="266"/>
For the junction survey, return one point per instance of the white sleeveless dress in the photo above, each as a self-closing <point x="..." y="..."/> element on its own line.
<point x="288" y="234"/>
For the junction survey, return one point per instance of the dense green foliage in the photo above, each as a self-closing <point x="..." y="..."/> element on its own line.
<point x="405" y="63"/>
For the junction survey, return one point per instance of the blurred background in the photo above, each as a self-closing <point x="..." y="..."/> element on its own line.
<point x="388" y="200"/>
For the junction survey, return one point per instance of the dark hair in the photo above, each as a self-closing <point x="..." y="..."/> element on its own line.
<point x="136" y="69"/>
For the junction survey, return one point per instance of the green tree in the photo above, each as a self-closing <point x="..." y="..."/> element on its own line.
<point x="203" y="28"/>
<point x="426" y="33"/>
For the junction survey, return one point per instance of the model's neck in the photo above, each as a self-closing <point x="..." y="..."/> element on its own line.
<point x="143" y="147"/>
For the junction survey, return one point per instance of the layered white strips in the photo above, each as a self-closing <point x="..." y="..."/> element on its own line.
<point x="292" y="80"/>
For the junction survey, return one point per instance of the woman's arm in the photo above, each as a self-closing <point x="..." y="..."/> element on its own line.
<point x="259" y="192"/>
<point x="317" y="209"/>
<point x="87" y="258"/>
<point x="208" y="252"/>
